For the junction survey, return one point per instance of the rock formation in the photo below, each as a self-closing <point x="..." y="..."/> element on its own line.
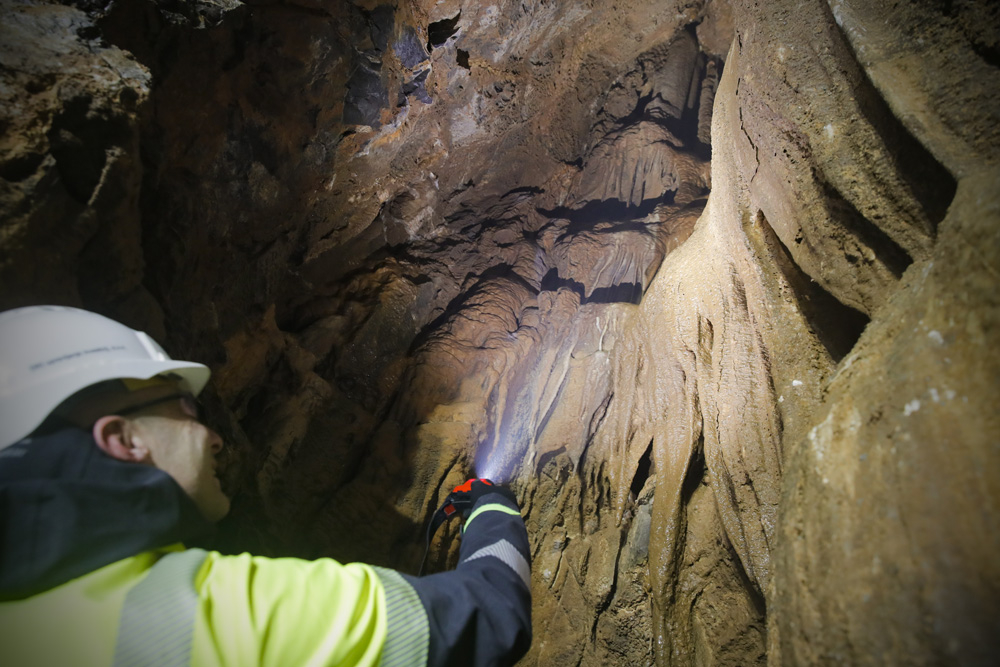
<point x="712" y="285"/>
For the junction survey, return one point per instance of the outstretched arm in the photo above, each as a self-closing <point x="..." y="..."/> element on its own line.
<point x="287" y="611"/>
<point x="480" y="612"/>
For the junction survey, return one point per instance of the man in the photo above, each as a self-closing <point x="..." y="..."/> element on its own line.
<point x="105" y="469"/>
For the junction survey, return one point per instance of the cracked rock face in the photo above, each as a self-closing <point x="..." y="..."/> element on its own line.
<point x="711" y="285"/>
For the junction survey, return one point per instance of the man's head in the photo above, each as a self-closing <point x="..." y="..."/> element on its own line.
<point x="70" y="365"/>
<point x="156" y="423"/>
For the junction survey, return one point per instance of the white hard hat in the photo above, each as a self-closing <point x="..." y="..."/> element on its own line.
<point x="48" y="353"/>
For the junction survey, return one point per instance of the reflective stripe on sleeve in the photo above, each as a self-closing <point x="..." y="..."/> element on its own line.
<point x="157" y="621"/>
<point x="509" y="555"/>
<point x="408" y="634"/>
<point x="489" y="507"/>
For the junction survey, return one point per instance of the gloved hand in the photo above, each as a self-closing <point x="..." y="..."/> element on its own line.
<point x="480" y="487"/>
<point x="464" y="497"/>
<point x="461" y="501"/>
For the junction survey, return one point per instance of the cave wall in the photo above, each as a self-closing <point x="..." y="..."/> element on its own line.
<point x="711" y="286"/>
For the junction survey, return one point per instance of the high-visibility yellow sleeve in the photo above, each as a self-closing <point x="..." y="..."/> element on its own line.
<point x="285" y="611"/>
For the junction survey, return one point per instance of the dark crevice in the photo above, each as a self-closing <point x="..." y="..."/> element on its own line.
<point x="642" y="471"/>
<point x="695" y="472"/>
<point x="21" y="167"/>
<point x="607" y="229"/>
<point x="521" y="194"/>
<point x="256" y="148"/>
<point x="927" y="181"/>
<point x="843" y="213"/>
<point x="989" y="54"/>
<point x="78" y="139"/>
<point x="620" y="293"/>
<point x="441" y="31"/>
<point x="608" y="210"/>
<point x="753" y="593"/>
<point x="685" y="129"/>
<point x="462" y="58"/>
<point x="836" y="325"/>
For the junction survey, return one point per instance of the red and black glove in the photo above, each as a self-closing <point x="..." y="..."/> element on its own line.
<point x="461" y="501"/>
<point x="463" y="498"/>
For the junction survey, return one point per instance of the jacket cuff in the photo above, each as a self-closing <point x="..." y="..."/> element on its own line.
<point x="487" y="504"/>
<point x="499" y="496"/>
<point x="407" y="636"/>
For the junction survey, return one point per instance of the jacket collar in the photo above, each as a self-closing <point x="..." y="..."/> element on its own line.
<point x="66" y="509"/>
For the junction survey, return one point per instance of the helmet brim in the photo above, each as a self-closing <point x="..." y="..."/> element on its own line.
<point x="23" y="412"/>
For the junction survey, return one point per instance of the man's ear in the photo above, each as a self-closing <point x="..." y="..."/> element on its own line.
<point x="117" y="438"/>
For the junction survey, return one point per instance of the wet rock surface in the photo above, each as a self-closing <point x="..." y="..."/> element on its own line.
<point x="712" y="286"/>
